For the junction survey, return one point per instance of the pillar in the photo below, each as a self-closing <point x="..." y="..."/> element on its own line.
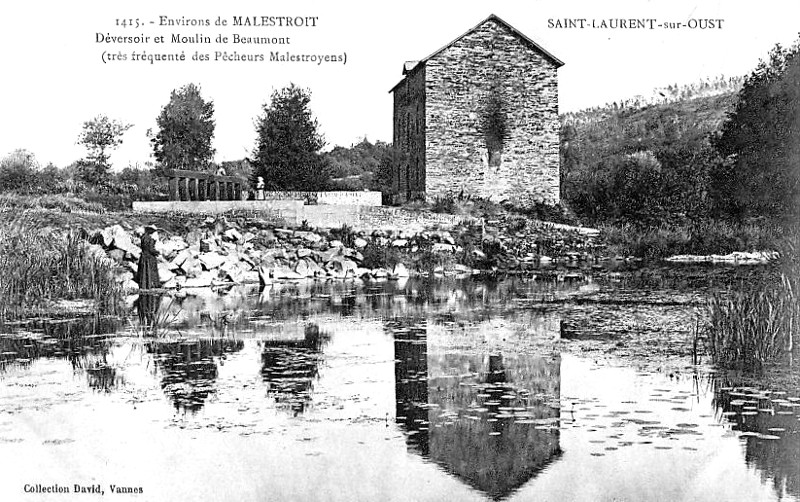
<point x="193" y="189"/>
<point x="173" y="188"/>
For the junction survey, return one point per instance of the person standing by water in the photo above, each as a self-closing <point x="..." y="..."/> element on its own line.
<point x="147" y="272"/>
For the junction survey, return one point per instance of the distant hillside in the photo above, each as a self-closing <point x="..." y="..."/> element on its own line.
<point x="611" y="129"/>
<point x="642" y="160"/>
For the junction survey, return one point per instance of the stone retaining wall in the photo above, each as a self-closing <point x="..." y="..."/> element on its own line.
<point x="292" y="213"/>
<point x="364" y="198"/>
<point x="272" y="210"/>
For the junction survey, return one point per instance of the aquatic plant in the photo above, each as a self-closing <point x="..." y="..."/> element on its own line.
<point x="757" y="324"/>
<point x="38" y="267"/>
<point x="345" y="234"/>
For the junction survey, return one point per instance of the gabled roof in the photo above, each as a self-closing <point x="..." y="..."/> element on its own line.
<point x="410" y="66"/>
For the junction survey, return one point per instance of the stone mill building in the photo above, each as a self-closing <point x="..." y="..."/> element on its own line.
<point x="479" y="117"/>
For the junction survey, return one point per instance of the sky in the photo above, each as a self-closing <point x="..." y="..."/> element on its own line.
<point x="55" y="75"/>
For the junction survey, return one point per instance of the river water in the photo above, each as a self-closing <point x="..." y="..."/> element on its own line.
<point x="436" y="389"/>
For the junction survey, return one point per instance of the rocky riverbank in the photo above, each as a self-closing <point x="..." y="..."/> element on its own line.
<point x="240" y="250"/>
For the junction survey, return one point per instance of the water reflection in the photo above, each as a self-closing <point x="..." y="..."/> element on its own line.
<point x="84" y="342"/>
<point x="147" y="307"/>
<point x="290" y="365"/>
<point x="189" y="368"/>
<point x="489" y="419"/>
<point x="769" y="424"/>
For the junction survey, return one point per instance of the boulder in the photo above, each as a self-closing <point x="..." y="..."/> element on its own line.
<point x="399" y="271"/>
<point x="170" y="247"/>
<point x="265" y="274"/>
<point x="130" y="286"/>
<point x="193" y="237"/>
<point x="342" y="264"/>
<point x="330" y="254"/>
<point x="208" y="245"/>
<point x="314" y="269"/>
<point x="398" y="243"/>
<point x="104" y="237"/>
<point x="164" y="273"/>
<point x="308" y="236"/>
<point x="123" y="241"/>
<point x="181" y="257"/>
<point x="203" y="280"/>
<point x="360" y="243"/>
<point x="232" y="273"/>
<point x="443" y="248"/>
<point x="250" y="277"/>
<point x="304" y="252"/>
<point x="283" y="272"/>
<point x="211" y="260"/>
<point x="117" y="255"/>
<point x="176" y="282"/>
<point x="191" y="267"/>
<point x="303" y="269"/>
<point x="232" y="235"/>
<point x="124" y="276"/>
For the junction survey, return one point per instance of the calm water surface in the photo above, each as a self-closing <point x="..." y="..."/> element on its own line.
<point x="434" y="390"/>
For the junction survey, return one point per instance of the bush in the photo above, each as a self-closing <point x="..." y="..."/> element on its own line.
<point x="378" y="255"/>
<point x="18" y="171"/>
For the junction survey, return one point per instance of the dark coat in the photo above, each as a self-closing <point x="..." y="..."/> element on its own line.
<point x="147" y="273"/>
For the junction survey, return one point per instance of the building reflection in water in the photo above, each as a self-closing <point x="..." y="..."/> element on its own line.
<point x="290" y="365"/>
<point x="189" y="368"/>
<point x="770" y="427"/>
<point x="489" y="419"/>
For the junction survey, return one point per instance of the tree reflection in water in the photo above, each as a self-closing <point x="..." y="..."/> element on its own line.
<point x="488" y="419"/>
<point x="189" y="368"/>
<point x="289" y="367"/>
<point x="770" y="424"/>
<point x="84" y="342"/>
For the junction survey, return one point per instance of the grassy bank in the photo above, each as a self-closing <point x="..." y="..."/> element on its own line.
<point x="40" y="267"/>
<point x="701" y="238"/>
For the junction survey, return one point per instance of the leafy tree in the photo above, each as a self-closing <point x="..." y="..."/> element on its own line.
<point x="760" y="142"/>
<point x="99" y="136"/>
<point x="392" y="160"/>
<point x="288" y="144"/>
<point x="18" y="170"/>
<point x="186" y="128"/>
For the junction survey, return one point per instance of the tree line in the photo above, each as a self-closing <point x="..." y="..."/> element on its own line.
<point x="287" y="153"/>
<point x="733" y="156"/>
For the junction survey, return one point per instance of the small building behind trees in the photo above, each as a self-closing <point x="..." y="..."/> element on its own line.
<point x="479" y="117"/>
